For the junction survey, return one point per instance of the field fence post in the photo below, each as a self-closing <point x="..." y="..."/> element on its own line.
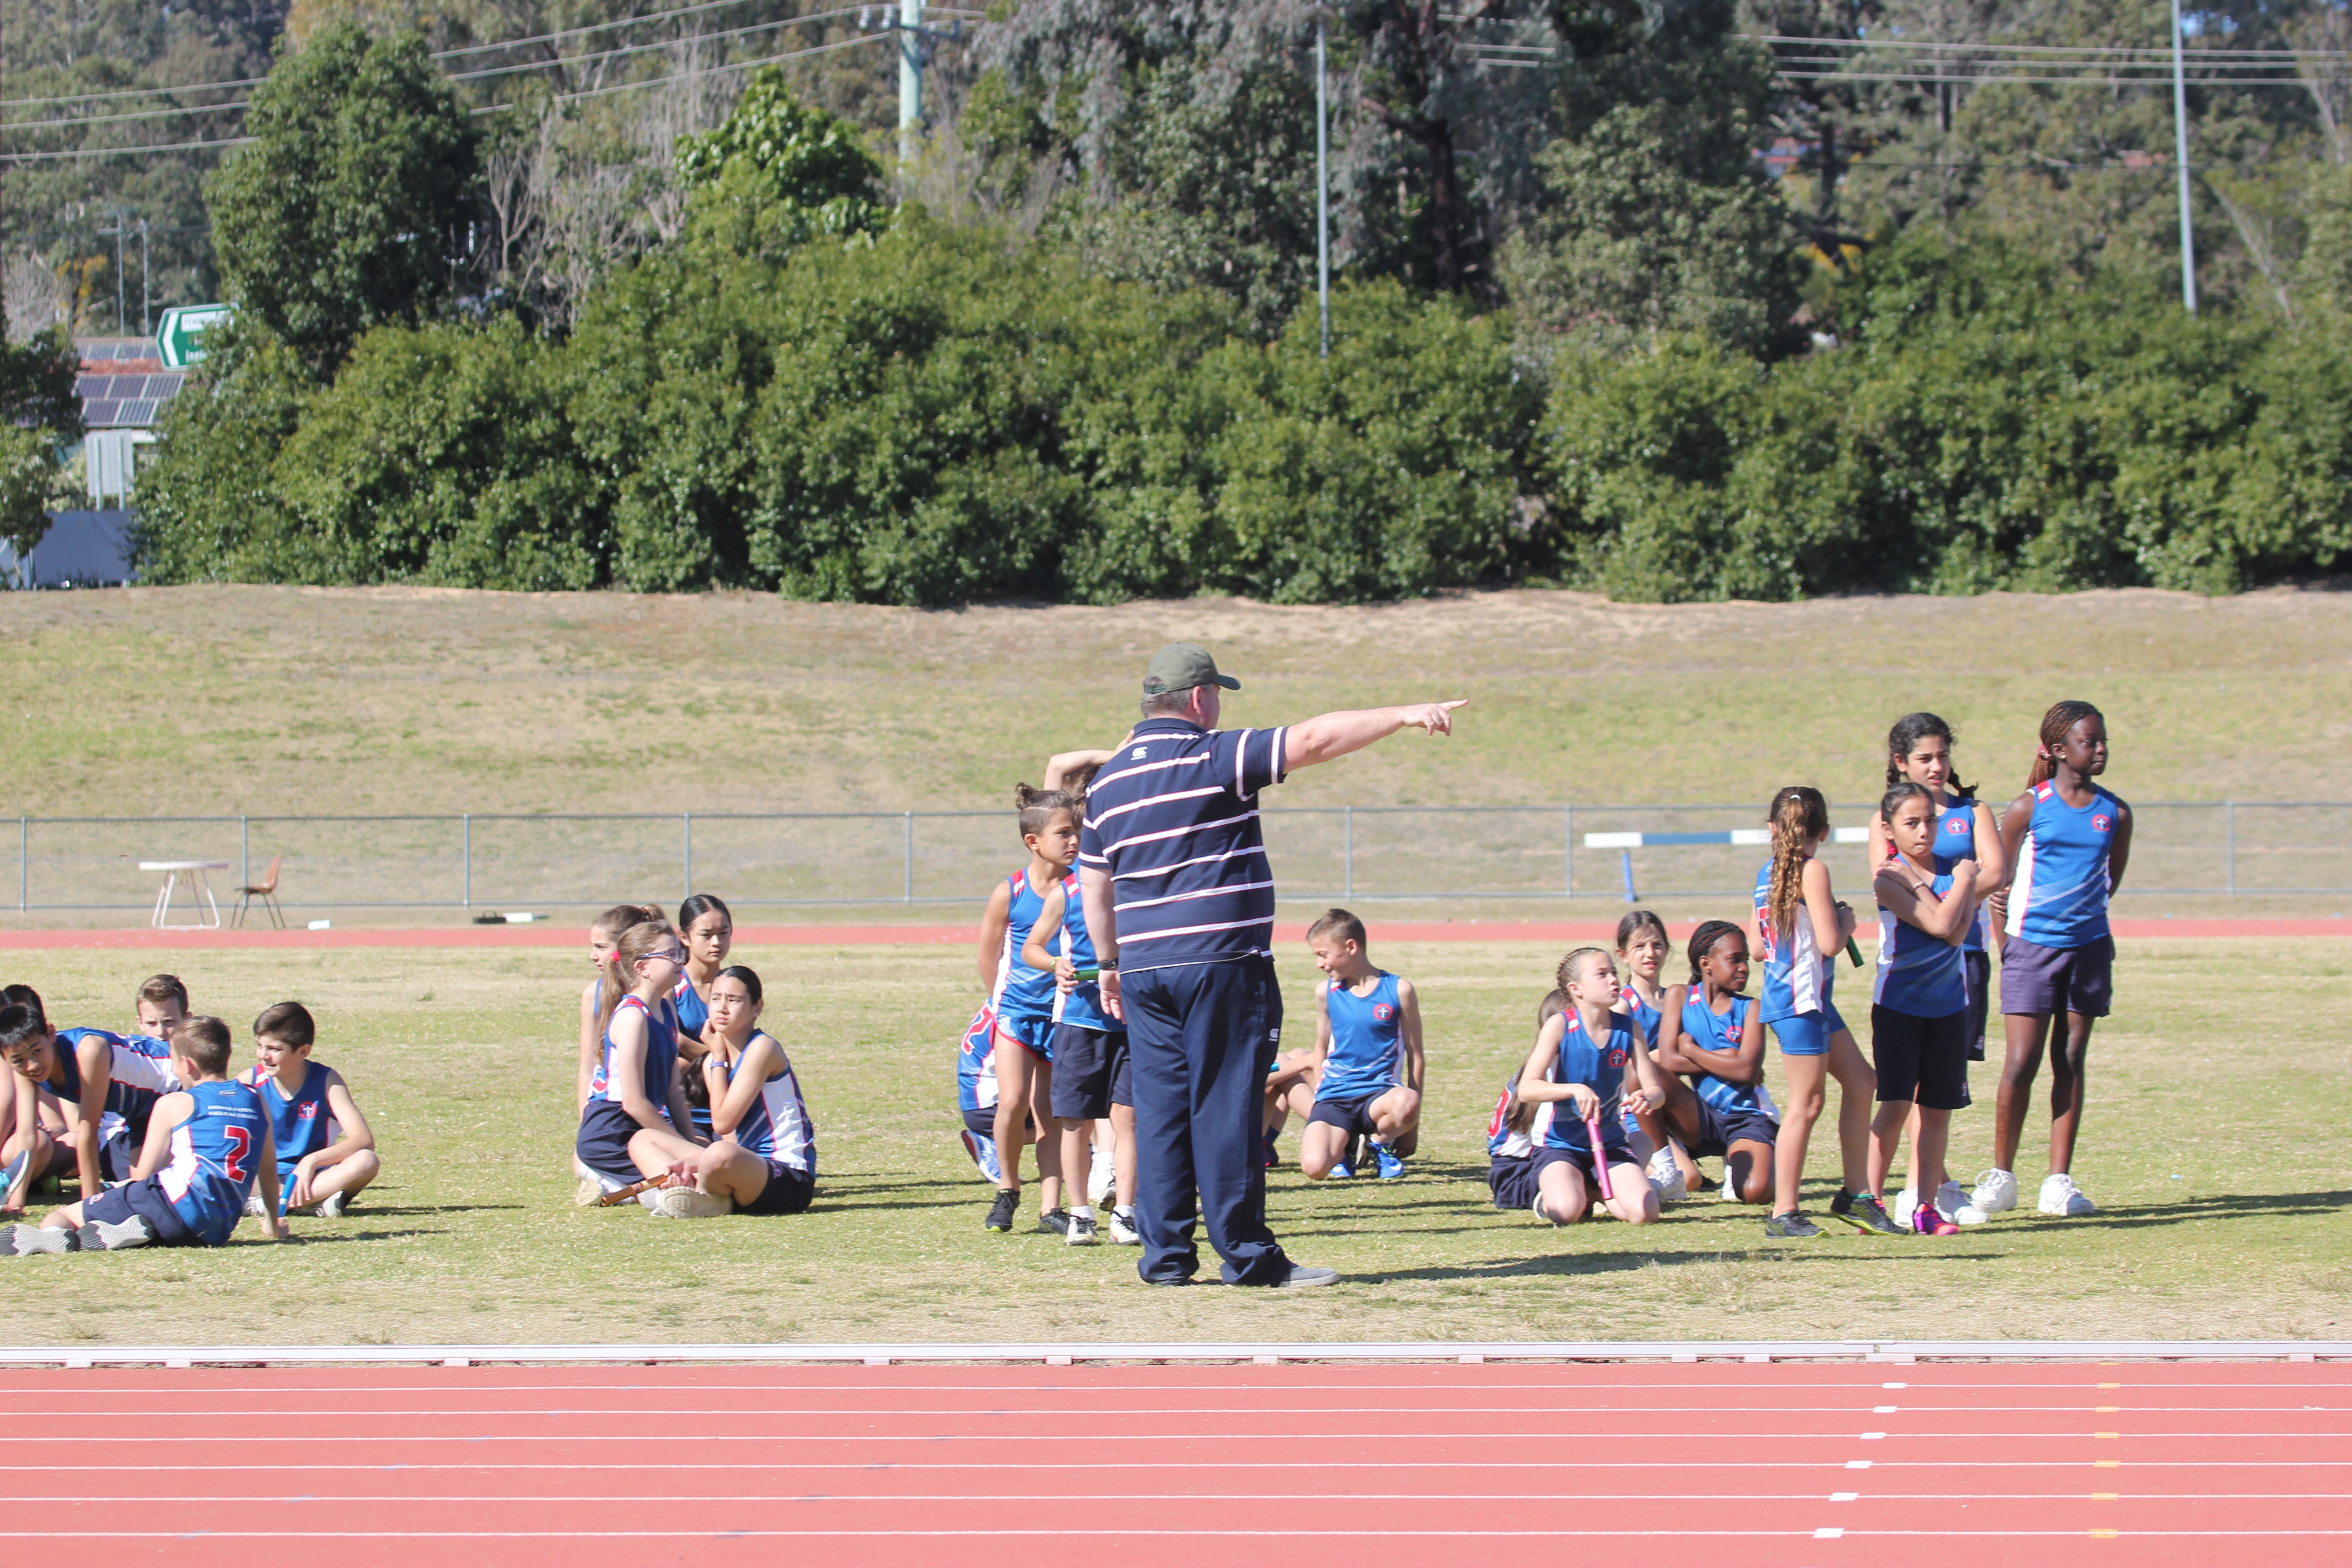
<point x="908" y="897"/>
<point x="688" y="819"/>
<point x="466" y="856"/>
<point x="1568" y="851"/>
<point x="2230" y="821"/>
<point x="1348" y="849"/>
<point x="23" y="862"/>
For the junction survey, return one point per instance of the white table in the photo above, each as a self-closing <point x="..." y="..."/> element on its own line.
<point x="199" y="886"/>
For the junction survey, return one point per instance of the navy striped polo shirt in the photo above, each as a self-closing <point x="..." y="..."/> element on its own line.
<point x="1174" y="819"/>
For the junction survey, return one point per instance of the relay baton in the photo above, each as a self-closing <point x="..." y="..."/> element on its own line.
<point x="623" y="1195"/>
<point x="1853" y="951"/>
<point x="1599" y="1154"/>
<point x="1089" y="975"/>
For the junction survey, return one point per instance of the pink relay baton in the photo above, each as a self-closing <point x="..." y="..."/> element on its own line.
<point x="1599" y="1154"/>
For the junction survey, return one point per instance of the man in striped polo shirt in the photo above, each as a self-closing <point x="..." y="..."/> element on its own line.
<point x="1180" y="899"/>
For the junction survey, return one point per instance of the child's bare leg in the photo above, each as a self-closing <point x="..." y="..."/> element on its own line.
<point x="1857" y="1088"/>
<point x="350" y="1176"/>
<point x="1886" y="1135"/>
<point x="654" y="1153"/>
<point x="1049" y="1138"/>
<point x="729" y="1171"/>
<point x="1562" y="1187"/>
<point x="2066" y="1063"/>
<point x="1321" y="1147"/>
<point x="1632" y="1199"/>
<point x="65" y="1218"/>
<point x="1928" y="1150"/>
<point x="1015" y="1070"/>
<point x="1749" y="1165"/>
<point x="1122" y="1122"/>
<point x="1396" y="1117"/>
<point x="1078" y="1153"/>
<point x="1806" y="1077"/>
<point x="1911" y="1129"/>
<point x="2025" y="1033"/>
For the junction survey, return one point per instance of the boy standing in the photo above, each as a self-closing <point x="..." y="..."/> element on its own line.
<point x="1368" y="1057"/>
<point x="207" y="1145"/>
<point x="326" y="1151"/>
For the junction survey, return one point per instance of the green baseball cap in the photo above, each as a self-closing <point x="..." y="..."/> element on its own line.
<point x="1180" y="666"/>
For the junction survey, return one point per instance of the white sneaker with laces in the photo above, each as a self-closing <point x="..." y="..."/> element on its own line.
<point x="1101" y="1179"/>
<point x="1730" y="1190"/>
<point x="1952" y="1203"/>
<point x="686" y="1203"/>
<point x="332" y="1206"/>
<point x="253" y="1210"/>
<point x="2061" y="1196"/>
<point x="1667" y="1177"/>
<point x="1996" y="1192"/>
<point x="1122" y="1228"/>
<point x="1905" y="1204"/>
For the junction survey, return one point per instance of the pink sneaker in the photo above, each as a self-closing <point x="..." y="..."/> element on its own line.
<point x="1926" y="1220"/>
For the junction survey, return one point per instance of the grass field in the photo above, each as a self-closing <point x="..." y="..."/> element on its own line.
<point x="258" y="699"/>
<point x="2217" y="1095"/>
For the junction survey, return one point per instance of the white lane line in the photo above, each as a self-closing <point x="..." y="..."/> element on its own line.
<point x="1152" y="1532"/>
<point x="1108" y="1465"/>
<point x="1010" y="1412"/>
<point x="146" y="1439"/>
<point x="116" y="1499"/>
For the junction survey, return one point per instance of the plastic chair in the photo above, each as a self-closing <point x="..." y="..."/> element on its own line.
<point x="266" y="892"/>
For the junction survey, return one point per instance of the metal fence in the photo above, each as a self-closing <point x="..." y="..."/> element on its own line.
<point x="787" y="861"/>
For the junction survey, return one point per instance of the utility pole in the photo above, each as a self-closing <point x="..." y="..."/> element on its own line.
<point x="2180" y="158"/>
<point x="1323" y="175"/>
<point x="146" y="329"/>
<point x="910" y="80"/>
<point x="121" y="327"/>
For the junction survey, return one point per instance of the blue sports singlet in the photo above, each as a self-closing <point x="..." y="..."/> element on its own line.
<point x="215" y="1155"/>
<point x="1724" y="1031"/>
<point x="1081" y="1004"/>
<point x="1956" y="840"/>
<point x="691" y="1010"/>
<point x="1020" y="991"/>
<point x="777" y="1127"/>
<point x="1601" y="1067"/>
<point x="136" y="1082"/>
<point x="2059" y="897"/>
<point x="1502" y="1143"/>
<point x="976" y="1063"/>
<point x="661" y="1057"/>
<point x="1366" y="1054"/>
<point x="1798" y="979"/>
<point x="1641" y="1013"/>
<point x="299" y="1124"/>
<point x="1921" y="974"/>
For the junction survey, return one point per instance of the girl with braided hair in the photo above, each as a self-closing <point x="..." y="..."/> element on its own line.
<point x="2070" y="840"/>
<point x="1801" y="926"/>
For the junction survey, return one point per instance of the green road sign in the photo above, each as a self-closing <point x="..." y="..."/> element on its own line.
<point x="183" y="329"/>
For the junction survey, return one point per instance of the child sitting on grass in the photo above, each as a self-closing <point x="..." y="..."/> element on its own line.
<point x="82" y="1098"/>
<point x="326" y="1151"/>
<point x="206" y="1146"/>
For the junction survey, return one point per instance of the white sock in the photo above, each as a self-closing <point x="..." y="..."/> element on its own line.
<point x="1084" y="1211"/>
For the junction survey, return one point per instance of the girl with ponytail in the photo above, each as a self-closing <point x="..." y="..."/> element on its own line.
<point x="1801" y="926"/>
<point x="2070" y="840"/>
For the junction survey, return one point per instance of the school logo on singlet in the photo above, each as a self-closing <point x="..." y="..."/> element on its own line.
<point x="307" y="1111"/>
<point x="2099" y="822"/>
<point x="1731" y="1034"/>
<point x="1958" y="825"/>
<point x="1382" y="1012"/>
<point x="1616" y="1057"/>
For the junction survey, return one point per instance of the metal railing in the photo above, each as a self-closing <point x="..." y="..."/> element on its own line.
<point x="808" y="859"/>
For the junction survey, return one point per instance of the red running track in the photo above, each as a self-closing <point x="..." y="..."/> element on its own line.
<point x="1807" y="1466"/>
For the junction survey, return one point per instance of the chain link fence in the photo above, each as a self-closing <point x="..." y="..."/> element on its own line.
<point x="784" y="861"/>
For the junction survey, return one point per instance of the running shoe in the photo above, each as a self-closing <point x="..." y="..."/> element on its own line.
<point x="1056" y="1222"/>
<point x="1081" y="1231"/>
<point x="1536" y="1209"/>
<point x="1001" y="1212"/>
<point x="332" y="1206"/>
<point x="253" y="1210"/>
<point x="1841" y="1206"/>
<point x="1273" y="1156"/>
<point x="1101" y="1177"/>
<point x="2061" y="1196"/>
<point x="1793" y="1225"/>
<point x="26" y="1240"/>
<point x="590" y="1193"/>
<point x="984" y="1154"/>
<point x="1905" y="1203"/>
<point x="1303" y="1277"/>
<point x="1122" y="1228"/>
<point x="1729" y="1191"/>
<point x="1996" y="1192"/>
<point x="14" y="1170"/>
<point x="1667" y="1177"/>
<point x="1340" y="1172"/>
<point x="1867" y="1214"/>
<point x="686" y="1203"/>
<point x="1952" y="1203"/>
<point x="116" y="1236"/>
<point x="1392" y="1165"/>
<point x="1926" y="1220"/>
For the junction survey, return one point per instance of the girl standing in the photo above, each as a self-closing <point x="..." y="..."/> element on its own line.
<point x="1918" y="1007"/>
<point x="2069" y="841"/>
<point x="1023" y="999"/>
<point x="1801" y="926"/>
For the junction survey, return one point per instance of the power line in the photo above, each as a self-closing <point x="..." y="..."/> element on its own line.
<point x="732" y="65"/>
<point x="121" y="152"/>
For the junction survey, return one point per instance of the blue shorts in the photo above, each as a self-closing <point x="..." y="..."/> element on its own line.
<point x="142" y="1199"/>
<point x="1807" y="1034"/>
<point x="603" y="1145"/>
<point x="788" y="1191"/>
<point x="1085" y="1066"/>
<point x="1618" y="1154"/>
<point x="1718" y="1130"/>
<point x="1033" y="1031"/>
<point x="1352" y="1117"/>
<point x="1512" y="1179"/>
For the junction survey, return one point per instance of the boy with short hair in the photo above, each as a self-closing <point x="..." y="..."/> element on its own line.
<point x="206" y="1146"/>
<point x="1368" y="1055"/>
<point x="99" y="1092"/>
<point x="326" y="1151"/>
<point x="162" y="1006"/>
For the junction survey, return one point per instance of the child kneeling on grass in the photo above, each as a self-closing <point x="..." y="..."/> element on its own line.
<point x="326" y="1151"/>
<point x="1580" y="1057"/>
<point x="1368" y="1057"/>
<point x="206" y="1146"/>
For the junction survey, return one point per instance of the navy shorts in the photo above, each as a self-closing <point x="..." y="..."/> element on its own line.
<point x="788" y="1191"/>
<point x="119" y="1156"/>
<point x="983" y="1122"/>
<point x="1583" y="1158"/>
<point x="603" y="1145"/>
<point x="1922" y="1059"/>
<point x="1980" y="963"/>
<point x="1122" y="1076"/>
<point x="1718" y="1130"/>
<point x="1807" y="1034"/>
<point x="1512" y="1179"/>
<point x="1034" y="1031"/>
<point x="1352" y="1117"/>
<point x="142" y="1199"/>
<point x="2040" y="979"/>
<point x="1086" y="1063"/>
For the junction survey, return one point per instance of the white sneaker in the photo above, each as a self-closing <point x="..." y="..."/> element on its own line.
<point x="686" y="1203"/>
<point x="1666" y="1177"/>
<point x="1101" y="1179"/>
<point x="253" y="1210"/>
<point x="117" y="1235"/>
<point x="332" y="1206"/>
<point x="1082" y="1228"/>
<point x="587" y="1195"/>
<point x="1953" y="1204"/>
<point x="2060" y="1196"/>
<point x="1996" y="1192"/>
<point x="1731" y="1190"/>
<point x="1906" y="1204"/>
<point x="1122" y="1228"/>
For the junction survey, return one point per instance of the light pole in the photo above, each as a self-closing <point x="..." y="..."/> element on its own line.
<point x="910" y="78"/>
<point x="2180" y="158"/>
<point x="1323" y="15"/>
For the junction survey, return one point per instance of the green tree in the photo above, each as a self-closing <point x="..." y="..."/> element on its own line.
<point x="38" y="414"/>
<point x="349" y="208"/>
<point x="778" y="174"/>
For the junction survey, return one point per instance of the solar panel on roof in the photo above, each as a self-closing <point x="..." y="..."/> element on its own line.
<point x="88" y="385"/>
<point x="101" y="411"/>
<point x="166" y="386"/>
<point x="139" y="411"/>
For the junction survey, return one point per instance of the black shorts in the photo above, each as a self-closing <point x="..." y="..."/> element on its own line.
<point x="983" y="1122"/>
<point x="1922" y="1059"/>
<point x="142" y="1199"/>
<point x="1617" y="1153"/>
<point x="788" y="1192"/>
<point x="1123" y="1076"/>
<point x="1979" y="967"/>
<point x="1086" y="1063"/>
<point x="1352" y="1117"/>
<point x="603" y="1145"/>
<point x="2040" y="979"/>
<point x="1512" y="1179"/>
<point x="1718" y="1132"/>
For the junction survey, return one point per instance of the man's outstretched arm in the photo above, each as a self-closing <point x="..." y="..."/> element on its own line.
<point x="1329" y="735"/>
